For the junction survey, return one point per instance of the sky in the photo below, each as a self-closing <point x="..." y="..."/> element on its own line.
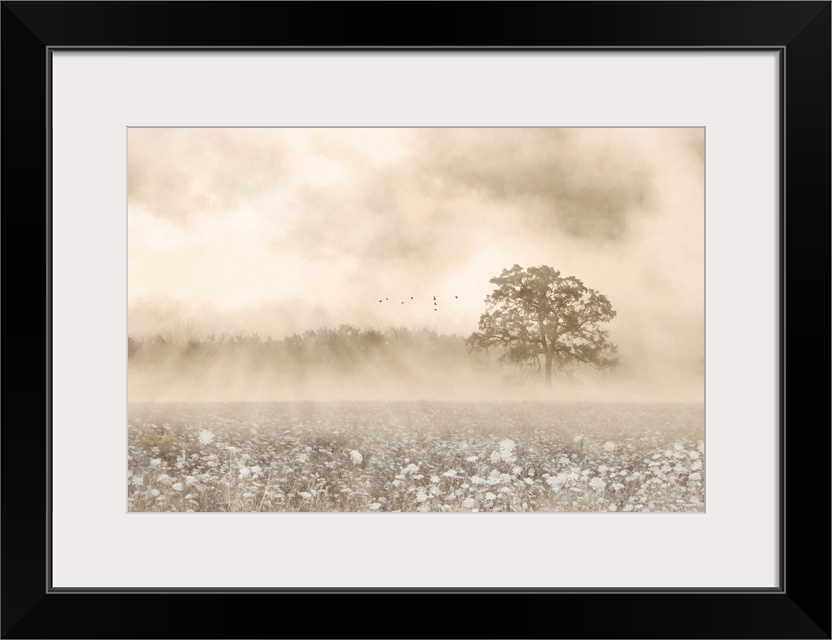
<point x="277" y="231"/>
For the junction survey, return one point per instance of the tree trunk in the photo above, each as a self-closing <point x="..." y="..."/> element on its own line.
<point x="549" y="360"/>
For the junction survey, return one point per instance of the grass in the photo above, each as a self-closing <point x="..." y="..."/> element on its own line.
<point x="437" y="457"/>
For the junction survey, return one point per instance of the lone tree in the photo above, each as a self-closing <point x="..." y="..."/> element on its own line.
<point x="536" y="314"/>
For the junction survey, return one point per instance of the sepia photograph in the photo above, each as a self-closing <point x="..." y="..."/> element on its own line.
<point x="397" y="320"/>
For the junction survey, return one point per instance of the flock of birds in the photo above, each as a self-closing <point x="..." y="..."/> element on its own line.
<point x="435" y="305"/>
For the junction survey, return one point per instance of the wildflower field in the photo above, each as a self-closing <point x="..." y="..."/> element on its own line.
<point x="415" y="456"/>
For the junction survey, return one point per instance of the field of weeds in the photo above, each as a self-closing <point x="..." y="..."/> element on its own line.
<point x="427" y="457"/>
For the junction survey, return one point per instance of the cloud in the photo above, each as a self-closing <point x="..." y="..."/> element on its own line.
<point x="186" y="173"/>
<point x="582" y="182"/>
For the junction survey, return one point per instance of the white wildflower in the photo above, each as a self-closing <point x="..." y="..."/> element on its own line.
<point x="177" y="486"/>
<point x="138" y="480"/>
<point x="609" y="445"/>
<point x="155" y="462"/>
<point x="597" y="484"/>
<point x="375" y="506"/>
<point x="468" y="503"/>
<point x="356" y="457"/>
<point x="490" y="496"/>
<point x="507" y="445"/>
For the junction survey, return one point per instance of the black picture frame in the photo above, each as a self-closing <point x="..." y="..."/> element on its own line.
<point x="798" y="31"/>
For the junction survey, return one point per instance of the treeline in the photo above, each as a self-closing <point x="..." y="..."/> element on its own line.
<point x="343" y="361"/>
<point x="344" y="346"/>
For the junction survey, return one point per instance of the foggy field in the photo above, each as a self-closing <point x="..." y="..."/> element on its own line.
<point x="416" y="456"/>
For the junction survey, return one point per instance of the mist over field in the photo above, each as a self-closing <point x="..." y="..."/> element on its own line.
<point x="303" y="264"/>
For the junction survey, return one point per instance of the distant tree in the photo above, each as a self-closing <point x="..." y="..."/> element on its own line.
<point x="536" y="315"/>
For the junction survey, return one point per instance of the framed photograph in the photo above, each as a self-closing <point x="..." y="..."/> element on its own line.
<point x="495" y="311"/>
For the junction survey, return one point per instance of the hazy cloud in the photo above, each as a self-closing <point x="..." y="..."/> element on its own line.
<point x="583" y="182"/>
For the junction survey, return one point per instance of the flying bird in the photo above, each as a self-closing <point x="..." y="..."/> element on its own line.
<point x="434" y="297"/>
<point x="457" y="297"/>
<point x="411" y="297"/>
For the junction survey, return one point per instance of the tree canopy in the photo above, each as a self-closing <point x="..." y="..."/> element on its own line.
<point x="538" y="317"/>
